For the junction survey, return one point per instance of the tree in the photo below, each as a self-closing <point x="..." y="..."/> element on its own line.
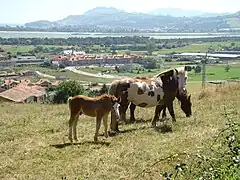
<point x="198" y="69"/>
<point x="65" y="90"/>
<point x="151" y="47"/>
<point x="150" y="63"/>
<point x="227" y="68"/>
<point x="104" y="89"/>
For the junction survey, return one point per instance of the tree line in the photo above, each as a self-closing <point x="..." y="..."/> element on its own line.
<point x="109" y="41"/>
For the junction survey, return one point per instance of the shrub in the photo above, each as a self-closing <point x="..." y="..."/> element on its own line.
<point x="65" y="90"/>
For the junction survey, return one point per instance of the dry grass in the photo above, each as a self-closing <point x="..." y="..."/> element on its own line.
<point x="34" y="142"/>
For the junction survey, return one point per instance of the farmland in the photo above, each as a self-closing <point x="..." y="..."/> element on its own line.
<point x="34" y="144"/>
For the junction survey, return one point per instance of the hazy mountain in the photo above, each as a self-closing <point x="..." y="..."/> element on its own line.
<point x="41" y="24"/>
<point x="102" y="17"/>
<point x="177" y="12"/>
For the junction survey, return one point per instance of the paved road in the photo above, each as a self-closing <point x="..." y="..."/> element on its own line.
<point x="45" y="75"/>
<point x="99" y="75"/>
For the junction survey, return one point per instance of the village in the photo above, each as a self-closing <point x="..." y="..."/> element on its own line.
<point x="30" y="86"/>
<point x="27" y="85"/>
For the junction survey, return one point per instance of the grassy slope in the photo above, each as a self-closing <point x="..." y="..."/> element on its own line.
<point x="31" y="140"/>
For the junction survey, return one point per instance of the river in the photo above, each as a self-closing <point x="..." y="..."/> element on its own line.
<point x="30" y="34"/>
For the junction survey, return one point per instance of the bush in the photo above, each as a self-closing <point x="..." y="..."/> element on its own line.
<point x="198" y="69"/>
<point x="227" y="68"/>
<point x="65" y="90"/>
<point x="221" y="162"/>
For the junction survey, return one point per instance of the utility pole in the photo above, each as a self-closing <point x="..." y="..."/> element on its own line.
<point x="204" y="71"/>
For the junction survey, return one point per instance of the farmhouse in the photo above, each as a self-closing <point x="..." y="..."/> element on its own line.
<point x="24" y="94"/>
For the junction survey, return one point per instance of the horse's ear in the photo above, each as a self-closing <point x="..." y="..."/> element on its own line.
<point x="119" y="100"/>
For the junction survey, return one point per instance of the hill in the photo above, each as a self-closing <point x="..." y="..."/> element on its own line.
<point x="34" y="143"/>
<point x="177" y="12"/>
<point x="112" y="18"/>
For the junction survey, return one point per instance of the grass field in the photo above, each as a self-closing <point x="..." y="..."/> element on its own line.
<point x="15" y="49"/>
<point x="34" y="144"/>
<point x="214" y="72"/>
<point x="197" y="47"/>
<point x="69" y="74"/>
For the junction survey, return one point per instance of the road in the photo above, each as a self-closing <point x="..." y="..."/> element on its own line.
<point x="45" y="75"/>
<point x="99" y="75"/>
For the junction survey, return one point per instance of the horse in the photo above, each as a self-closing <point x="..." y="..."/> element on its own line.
<point x="158" y="91"/>
<point x="98" y="107"/>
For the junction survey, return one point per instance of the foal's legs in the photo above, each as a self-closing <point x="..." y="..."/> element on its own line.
<point x="98" y="124"/>
<point x="105" y="118"/>
<point x="73" y="118"/>
<point x="132" y="109"/>
<point x="75" y="128"/>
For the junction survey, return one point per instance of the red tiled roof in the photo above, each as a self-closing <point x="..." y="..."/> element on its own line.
<point x="21" y="93"/>
<point x="56" y="83"/>
<point x="92" y="57"/>
<point x="42" y="81"/>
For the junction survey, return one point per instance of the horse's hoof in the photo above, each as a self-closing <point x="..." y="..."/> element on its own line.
<point x="153" y="125"/>
<point x="111" y="133"/>
<point x="95" y="139"/>
<point x="132" y="120"/>
<point x="106" y="135"/>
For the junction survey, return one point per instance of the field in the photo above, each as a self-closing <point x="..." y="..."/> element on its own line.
<point x="197" y="47"/>
<point x="14" y="49"/>
<point x="213" y="72"/>
<point x="66" y="73"/>
<point x="34" y="144"/>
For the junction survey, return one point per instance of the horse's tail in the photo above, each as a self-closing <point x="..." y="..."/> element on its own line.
<point x="113" y="88"/>
<point x="69" y="102"/>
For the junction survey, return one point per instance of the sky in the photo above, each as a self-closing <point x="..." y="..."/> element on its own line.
<point x="23" y="11"/>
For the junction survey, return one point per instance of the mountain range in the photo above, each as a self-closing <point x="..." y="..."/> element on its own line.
<point x="170" y="18"/>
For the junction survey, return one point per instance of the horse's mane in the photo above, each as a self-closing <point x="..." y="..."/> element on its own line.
<point x="102" y="96"/>
<point x="180" y="70"/>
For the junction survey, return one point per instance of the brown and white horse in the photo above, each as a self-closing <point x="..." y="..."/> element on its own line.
<point x="159" y="91"/>
<point x="98" y="107"/>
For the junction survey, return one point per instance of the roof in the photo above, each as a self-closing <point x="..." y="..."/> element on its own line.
<point x="210" y="54"/>
<point x="42" y="81"/>
<point x="56" y="83"/>
<point x="8" y="82"/>
<point x="21" y="93"/>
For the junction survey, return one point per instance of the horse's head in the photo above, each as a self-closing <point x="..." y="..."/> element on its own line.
<point x="186" y="104"/>
<point x="115" y="106"/>
<point x="182" y="76"/>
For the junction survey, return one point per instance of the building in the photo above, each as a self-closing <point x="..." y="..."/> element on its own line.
<point x="213" y="55"/>
<point x="72" y="52"/>
<point x="9" y="83"/>
<point x="44" y="83"/>
<point x="78" y="60"/>
<point x="24" y="94"/>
